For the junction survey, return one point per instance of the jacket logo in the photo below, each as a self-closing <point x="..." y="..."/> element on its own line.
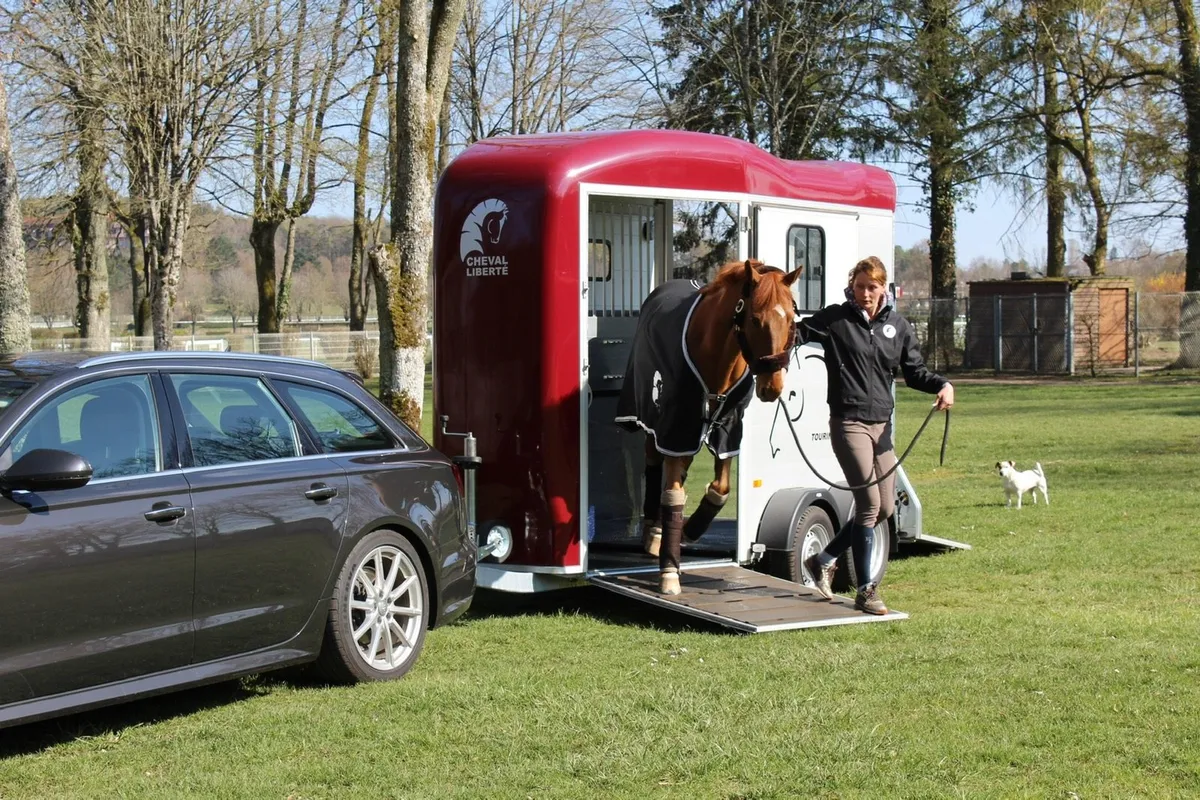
<point x="889" y="331"/>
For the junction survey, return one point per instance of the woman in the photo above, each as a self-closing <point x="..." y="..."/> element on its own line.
<point x="865" y="340"/>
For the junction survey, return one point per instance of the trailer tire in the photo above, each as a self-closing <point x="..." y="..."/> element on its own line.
<point x="813" y="531"/>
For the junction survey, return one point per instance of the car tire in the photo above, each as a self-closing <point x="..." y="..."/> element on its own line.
<point x="381" y="595"/>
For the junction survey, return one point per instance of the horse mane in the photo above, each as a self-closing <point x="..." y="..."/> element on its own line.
<point x="767" y="293"/>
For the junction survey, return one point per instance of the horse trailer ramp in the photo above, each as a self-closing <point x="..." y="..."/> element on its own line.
<point x="742" y="599"/>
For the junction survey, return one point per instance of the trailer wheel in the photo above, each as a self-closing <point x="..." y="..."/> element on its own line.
<point x="813" y="531"/>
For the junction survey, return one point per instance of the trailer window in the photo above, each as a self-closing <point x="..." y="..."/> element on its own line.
<point x="599" y="260"/>
<point x="806" y="248"/>
<point x="705" y="236"/>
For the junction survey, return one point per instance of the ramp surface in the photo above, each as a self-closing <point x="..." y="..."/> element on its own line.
<point x="742" y="599"/>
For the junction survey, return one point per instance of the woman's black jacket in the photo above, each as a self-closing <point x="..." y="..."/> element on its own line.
<point x="861" y="359"/>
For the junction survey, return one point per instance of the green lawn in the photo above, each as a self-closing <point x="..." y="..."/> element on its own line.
<point x="1057" y="659"/>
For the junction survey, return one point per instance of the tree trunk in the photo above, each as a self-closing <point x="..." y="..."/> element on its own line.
<point x="262" y="239"/>
<point x="942" y="259"/>
<point x="426" y="43"/>
<point x="443" y="148"/>
<point x="1189" y="70"/>
<point x="358" y="244"/>
<point x="14" y="285"/>
<point x="1056" y="196"/>
<point x="138" y="282"/>
<point x="93" y="309"/>
<point x="285" y="280"/>
<point x="398" y="368"/>
<point x="1097" y="260"/>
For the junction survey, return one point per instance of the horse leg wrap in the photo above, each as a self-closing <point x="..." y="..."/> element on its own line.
<point x="672" y="532"/>
<point x="704" y="514"/>
<point x="651" y="537"/>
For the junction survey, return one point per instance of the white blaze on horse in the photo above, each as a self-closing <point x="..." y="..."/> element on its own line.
<point x="699" y="355"/>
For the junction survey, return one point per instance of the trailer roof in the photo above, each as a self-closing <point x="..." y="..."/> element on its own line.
<point x="676" y="159"/>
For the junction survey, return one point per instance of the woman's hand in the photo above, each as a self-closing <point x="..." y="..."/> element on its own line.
<point x="945" y="398"/>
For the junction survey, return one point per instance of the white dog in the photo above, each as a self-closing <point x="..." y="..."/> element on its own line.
<point x="1018" y="483"/>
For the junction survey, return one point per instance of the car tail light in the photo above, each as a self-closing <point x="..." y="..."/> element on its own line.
<point x="459" y="478"/>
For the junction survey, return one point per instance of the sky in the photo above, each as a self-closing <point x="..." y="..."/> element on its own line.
<point x="995" y="227"/>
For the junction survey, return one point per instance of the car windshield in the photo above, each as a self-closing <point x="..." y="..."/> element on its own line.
<point x="10" y="390"/>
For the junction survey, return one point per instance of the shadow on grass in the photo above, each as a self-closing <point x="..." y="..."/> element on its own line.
<point x="109" y="721"/>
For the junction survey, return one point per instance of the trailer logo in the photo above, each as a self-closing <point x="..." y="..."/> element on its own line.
<point x="483" y="227"/>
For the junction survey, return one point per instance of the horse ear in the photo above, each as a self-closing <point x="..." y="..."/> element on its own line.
<point x="750" y="276"/>
<point x="792" y="276"/>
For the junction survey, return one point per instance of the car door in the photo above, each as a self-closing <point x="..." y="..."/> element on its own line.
<point x="96" y="582"/>
<point x="269" y="518"/>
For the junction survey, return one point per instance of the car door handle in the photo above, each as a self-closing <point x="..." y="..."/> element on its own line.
<point x="165" y="513"/>
<point x="320" y="491"/>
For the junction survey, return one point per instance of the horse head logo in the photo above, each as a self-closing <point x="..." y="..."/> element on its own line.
<point x="486" y="221"/>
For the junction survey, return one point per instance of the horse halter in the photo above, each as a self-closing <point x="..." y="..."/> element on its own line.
<point x="762" y="365"/>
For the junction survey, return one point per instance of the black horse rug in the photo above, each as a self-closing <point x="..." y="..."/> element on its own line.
<point x="663" y="393"/>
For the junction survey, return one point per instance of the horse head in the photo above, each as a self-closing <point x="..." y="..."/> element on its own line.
<point x="486" y="221"/>
<point x="763" y="320"/>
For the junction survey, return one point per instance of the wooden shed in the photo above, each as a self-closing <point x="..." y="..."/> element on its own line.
<point x="1048" y="325"/>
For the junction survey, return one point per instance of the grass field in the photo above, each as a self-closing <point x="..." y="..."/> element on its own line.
<point x="1057" y="659"/>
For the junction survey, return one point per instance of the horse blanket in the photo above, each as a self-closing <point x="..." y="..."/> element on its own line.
<point x="663" y="393"/>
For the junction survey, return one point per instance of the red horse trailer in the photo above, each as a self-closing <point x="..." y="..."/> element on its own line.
<point x="544" y="248"/>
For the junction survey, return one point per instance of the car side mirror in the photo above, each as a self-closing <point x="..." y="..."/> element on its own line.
<point x="44" y="470"/>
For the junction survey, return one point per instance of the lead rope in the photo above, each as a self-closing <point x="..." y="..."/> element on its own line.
<point x="896" y="466"/>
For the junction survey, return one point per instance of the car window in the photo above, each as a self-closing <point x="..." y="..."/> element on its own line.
<point x="112" y="423"/>
<point x="341" y="425"/>
<point x="232" y="419"/>
<point x="10" y="390"/>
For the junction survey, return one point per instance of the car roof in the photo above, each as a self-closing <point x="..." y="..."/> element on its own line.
<point x="39" y="365"/>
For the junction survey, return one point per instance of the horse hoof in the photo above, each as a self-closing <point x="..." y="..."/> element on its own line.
<point x="652" y="539"/>
<point x="668" y="583"/>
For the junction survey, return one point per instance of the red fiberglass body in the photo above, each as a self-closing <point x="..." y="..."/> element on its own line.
<point x="507" y="298"/>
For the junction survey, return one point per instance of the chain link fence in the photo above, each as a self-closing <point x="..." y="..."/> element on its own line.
<point x="1031" y="333"/>
<point x="1077" y="334"/>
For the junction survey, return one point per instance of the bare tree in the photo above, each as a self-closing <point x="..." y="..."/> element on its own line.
<point x="234" y="290"/>
<point x="51" y="290"/>
<point x="365" y="231"/>
<point x="14" y="288"/>
<point x="177" y="74"/>
<point x="527" y="66"/>
<point x="1100" y="90"/>
<point x="300" y="55"/>
<point x="194" y="291"/>
<point x="401" y="268"/>
<point x="70" y="100"/>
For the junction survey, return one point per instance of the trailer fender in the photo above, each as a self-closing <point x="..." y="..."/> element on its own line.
<point x="797" y="522"/>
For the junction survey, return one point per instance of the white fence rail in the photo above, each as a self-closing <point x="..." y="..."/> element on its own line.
<point x="341" y="349"/>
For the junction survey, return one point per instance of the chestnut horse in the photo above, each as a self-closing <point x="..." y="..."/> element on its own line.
<point x="743" y="321"/>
